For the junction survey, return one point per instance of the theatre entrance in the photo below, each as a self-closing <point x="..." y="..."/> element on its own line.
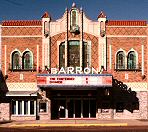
<point x="67" y="108"/>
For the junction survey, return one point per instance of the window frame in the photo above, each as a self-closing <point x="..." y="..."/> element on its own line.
<point x="134" y="65"/>
<point x="46" y="109"/>
<point x="71" y="17"/>
<point x="19" y="60"/>
<point x="123" y="66"/>
<point x="30" y="59"/>
<point x="22" y="106"/>
<point x="21" y="63"/>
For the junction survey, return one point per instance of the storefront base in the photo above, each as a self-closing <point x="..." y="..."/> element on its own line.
<point x="87" y="106"/>
<point x="4" y="111"/>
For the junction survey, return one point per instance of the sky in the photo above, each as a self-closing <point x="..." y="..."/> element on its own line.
<point x="34" y="9"/>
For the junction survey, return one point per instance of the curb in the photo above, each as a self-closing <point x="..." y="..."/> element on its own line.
<point x="67" y="125"/>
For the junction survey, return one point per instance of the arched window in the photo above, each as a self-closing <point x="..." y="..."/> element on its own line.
<point x="73" y="17"/>
<point x="120" y="64"/>
<point x="16" y="60"/>
<point x="27" y="60"/>
<point x="74" y="21"/>
<point x="131" y="60"/>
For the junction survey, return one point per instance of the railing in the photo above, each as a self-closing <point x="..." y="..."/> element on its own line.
<point x="118" y="67"/>
<point x="20" y="68"/>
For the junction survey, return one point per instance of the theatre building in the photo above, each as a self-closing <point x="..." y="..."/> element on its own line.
<point x="73" y="68"/>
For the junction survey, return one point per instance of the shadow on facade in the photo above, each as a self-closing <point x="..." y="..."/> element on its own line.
<point x="3" y="86"/>
<point x="119" y="97"/>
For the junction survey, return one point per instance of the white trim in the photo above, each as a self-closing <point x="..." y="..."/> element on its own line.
<point x="23" y="36"/>
<point x="37" y="58"/>
<point x="66" y="53"/>
<point x="5" y="59"/>
<point x="28" y="107"/>
<point x="22" y="107"/>
<point x="35" y="107"/>
<point x="128" y="26"/>
<point x="16" y="107"/>
<point x="21" y="26"/>
<point x="81" y="52"/>
<point x="18" y="95"/>
<point x="128" y="36"/>
<point x="142" y="48"/>
<point x="110" y="56"/>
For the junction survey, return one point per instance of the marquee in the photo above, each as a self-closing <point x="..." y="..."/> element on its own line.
<point x="74" y="80"/>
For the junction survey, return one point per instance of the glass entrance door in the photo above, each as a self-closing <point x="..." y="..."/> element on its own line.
<point x="73" y="108"/>
<point x="81" y="108"/>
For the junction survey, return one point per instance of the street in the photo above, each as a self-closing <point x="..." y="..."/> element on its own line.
<point x="76" y="129"/>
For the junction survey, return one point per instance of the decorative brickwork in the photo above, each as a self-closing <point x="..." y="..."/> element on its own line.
<point x="126" y="31"/>
<point x="22" y="86"/>
<point x="21" y="31"/>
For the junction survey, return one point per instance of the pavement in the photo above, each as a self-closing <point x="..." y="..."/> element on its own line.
<point x="78" y="123"/>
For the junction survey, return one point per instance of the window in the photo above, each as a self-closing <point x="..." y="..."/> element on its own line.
<point x="31" y="107"/>
<point x="20" y="107"/>
<point x="74" y="18"/>
<point x="120" y="64"/>
<point x="86" y="54"/>
<point x="74" y="21"/>
<point x="16" y="60"/>
<point x="43" y="106"/>
<point x="74" y="53"/>
<point x="26" y="107"/>
<point x="131" y="59"/>
<point x="62" y="55"/>
<point x="21" y="62"/>
<point x="13" y="107"/>
<point x="27" y="60"/>
<point x="102" y="29"/>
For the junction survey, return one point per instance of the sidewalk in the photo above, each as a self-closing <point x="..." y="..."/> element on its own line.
<point x="62" y="123"/>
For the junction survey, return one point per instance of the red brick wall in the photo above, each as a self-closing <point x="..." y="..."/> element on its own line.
<point x="127" y="43"/>
<point x="21" y="43"/>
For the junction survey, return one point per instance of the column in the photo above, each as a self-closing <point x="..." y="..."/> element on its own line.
<point x="37" y="68"/>
<point x="81" y="38"/>
<point x="110" y="56"/>
<point x="66" y="39"/>
<point x="142" y="47"/>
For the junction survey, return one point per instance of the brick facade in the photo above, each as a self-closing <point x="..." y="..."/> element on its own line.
<point x="31" y="35"/>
